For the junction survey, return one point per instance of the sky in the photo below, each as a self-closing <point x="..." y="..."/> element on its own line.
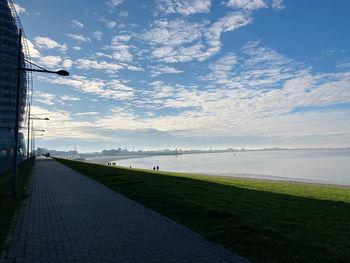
<point x="190" y="74"/>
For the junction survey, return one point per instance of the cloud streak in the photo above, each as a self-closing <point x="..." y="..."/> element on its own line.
<point x="80" y="38"/>
<point x="77" y="24"/>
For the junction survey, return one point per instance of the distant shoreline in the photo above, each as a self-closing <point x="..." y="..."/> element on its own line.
<point x="109" y="158"/>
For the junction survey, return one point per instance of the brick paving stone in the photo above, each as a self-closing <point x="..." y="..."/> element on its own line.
<point x="71" y="218"/>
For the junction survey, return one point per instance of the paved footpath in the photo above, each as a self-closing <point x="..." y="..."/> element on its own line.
<point x="71" y="218"/>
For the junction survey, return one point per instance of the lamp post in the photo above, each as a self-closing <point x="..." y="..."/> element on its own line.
<point x="28" y="138"/>
<point x="19" y="69"/>
<point x="31" y="118"/>
<point x="33" y="137"/>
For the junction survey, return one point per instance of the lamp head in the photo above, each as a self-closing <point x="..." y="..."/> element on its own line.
<point x="63" y="72"/>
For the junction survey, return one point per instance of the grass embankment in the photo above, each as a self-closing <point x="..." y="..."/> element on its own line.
<point x="263" y="221"/>
<point x="8" y="203"/>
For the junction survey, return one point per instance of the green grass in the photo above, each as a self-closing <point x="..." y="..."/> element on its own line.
<point x="263" y="221"/>
<point x="8" y="203"/>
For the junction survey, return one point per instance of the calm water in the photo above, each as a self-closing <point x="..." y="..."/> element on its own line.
<point x="319" y="166"/>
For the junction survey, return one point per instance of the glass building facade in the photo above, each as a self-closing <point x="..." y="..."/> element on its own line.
<point x="9" y="36"/>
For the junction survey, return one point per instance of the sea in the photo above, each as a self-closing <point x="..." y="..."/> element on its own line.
<point x="325" y="166"/>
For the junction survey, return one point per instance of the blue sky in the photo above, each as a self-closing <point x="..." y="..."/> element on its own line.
<point x="190" y="74"/>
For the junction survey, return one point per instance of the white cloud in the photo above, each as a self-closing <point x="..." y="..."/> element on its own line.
<point x="182" y="54"/>
<point x="67" y="63"/>
<point x="34" y="53"/>
<point x="107" y="67"/>
<point x="100" y="65"/>
<point x="330" y="52"/>
<point x="56" y="115"/>
<point x="254" y="66"/>
<point x="87" y="113"/>
<point x="45" y="98"/>
<point x="184" y="7"/>
<point x="77" y="24"/>
<point x="50" y="61"/>
<point x="116" y="40"/>
<point x="246" y="4"/>
<point x="120" y="48"/>
<point x="263" y="55"/>
<point x="254" y="91"/>
<point x="111" y="24"/>
<point x="243" y="111"/>
<point x="123" y="14"/>
<point x="62" y="125"/>
<point x="76" y="48"/>
<point x="173" y="33"/>
<point x="47" y="43"/>
<point x="255" y="107"/>
<point x="223" y="66"/>
<point x="180" y="40"/>
<point x="161" y="90"/>
<point x="278" y="4"/>
<point x="71" y="98"/>
<point x="246" y="113"/>
<point x="176" y="41"/>
<point x="162" y="52"/>
<point x="100" y="54"/>
<point x="97" y="34"/>
<point x="229" y="22"/>
<point x="79" y="38"/>
<point x="19" y="9"/>
<point x="344" y="65"/>
<point x="113" y="89"/>
<point x="134" y="68"/>
<point x="159" y="70"/>
<point x="114" y="3"/>
<point x="121" y="52"/>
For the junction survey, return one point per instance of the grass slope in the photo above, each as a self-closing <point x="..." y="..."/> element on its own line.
<point x="263" y="221"/>
<point x="9" y="204"/>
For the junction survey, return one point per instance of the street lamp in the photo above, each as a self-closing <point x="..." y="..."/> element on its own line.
<point x="28" y="138"/>
<point x="61" y="72"/>
<point x="19" y="69"/>
<point x="43" y="119"/>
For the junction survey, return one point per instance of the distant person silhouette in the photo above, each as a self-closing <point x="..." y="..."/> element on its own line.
<point x="157" y="168"/>
<point x="154" y="168"/>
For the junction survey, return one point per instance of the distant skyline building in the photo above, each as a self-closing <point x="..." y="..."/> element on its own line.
<point x="9" y="35"/>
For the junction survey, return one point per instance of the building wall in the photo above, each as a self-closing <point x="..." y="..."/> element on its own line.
<point x="8" y="82"/>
